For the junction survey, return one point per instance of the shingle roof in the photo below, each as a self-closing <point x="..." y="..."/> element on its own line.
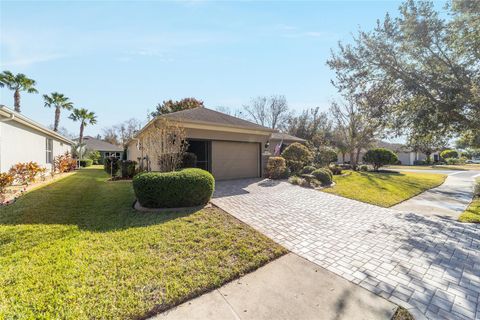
<point x="206" y="115"/>
<point x="96" y="144"/>
<point x="287" y="137"/>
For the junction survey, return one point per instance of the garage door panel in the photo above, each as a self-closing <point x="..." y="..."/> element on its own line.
<point x="235" y="160"/>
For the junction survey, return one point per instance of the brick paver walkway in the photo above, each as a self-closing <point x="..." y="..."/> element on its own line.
<point x="429" y="265"/>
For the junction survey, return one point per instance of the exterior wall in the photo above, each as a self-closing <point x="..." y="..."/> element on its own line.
<point x="19" y="143"/>
<point x="405" y="158"/>
<point x="133" y="153"/>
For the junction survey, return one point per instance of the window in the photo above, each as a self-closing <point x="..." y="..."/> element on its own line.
<point x="49" y="150"/>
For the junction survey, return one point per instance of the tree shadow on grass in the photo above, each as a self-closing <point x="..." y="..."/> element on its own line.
<point x="85" y="200"/>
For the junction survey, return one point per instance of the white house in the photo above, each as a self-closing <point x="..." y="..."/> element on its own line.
<point x="24" y="140"/>
<point x="406" y="156"/>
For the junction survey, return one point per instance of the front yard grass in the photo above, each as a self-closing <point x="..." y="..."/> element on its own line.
<point x="383" y="189"/>
<point x="76" y="249"/>
<point x="463" y="167"/>
<point x="472" y="214"/>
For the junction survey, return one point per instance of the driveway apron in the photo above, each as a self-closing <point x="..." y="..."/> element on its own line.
<point x="425" y="264"/>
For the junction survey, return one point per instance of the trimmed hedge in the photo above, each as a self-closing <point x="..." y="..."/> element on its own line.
<point x="276" y="168"/>
<point x="307" y="170"/>
<point x="86" y="162"/>
<point x="324" y="176"/>
<point x="128" y="168"/>
<point x="185" y="188"/>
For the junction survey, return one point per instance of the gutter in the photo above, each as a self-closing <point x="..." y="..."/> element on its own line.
<point x="12" y="115"/>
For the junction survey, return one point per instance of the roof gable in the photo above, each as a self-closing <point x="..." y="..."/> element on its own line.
<point x="99" y="145"/>
<point x="205" y="115"/>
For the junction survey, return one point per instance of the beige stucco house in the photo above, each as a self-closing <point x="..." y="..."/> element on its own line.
<point x="24" y="140"/>
<point x="228" y="147"/>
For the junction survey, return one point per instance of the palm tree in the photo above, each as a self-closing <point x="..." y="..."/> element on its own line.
<point x="17" y="83"/>
<point x="85" y="117"/>
<point x="59" y="101"/>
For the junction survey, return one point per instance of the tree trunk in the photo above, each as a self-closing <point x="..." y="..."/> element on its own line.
<point x="352" y="160"/>
<point x="16" y="99"/>
<point x="80" y="138"/>
<point x="357" y="155"/>
<point x="343" y="157"/>
<point x="57" y="119"/>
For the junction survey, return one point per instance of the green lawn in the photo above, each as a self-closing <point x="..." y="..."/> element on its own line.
<point x="471" y="166"/>
<point x="75" y="249"/>
<point x="383" y="189"/>
<point x="472" y="214"/>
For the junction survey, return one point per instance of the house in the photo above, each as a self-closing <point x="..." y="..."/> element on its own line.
<point x="24" y="140"/>
<point x="405" y="155"/>
<point x="228" y="147"/>
<point x="283" y="140"/>
<point x="106" y="149"/>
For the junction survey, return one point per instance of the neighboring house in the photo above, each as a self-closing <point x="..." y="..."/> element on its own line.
<point x="405" y="155"/>
<point x="228" y="147"/>
<point x="282" y="139"/>
<point x="106" y="149"/>
<point x="24" y="140"/>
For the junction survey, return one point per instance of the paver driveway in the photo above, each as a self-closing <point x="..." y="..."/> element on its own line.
<point x="429" y="265"/>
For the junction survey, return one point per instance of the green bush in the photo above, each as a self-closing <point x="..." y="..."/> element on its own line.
<point x="307" y="170"/>
<point x="363" y="168"/>
<point x="128" y="169"/>
<point x="189" y="160"/>
<point x="111" y="166"/>
<point x="297" y="156"/>
<point x="324" y="156"/>
<point x="85" y="162"/>
<point x="295" y="166"/>
<point x="185" y="188"/>
<point x="324" y="176"/>
<point x="446" y="154"/>
<point x="419" y="162"/>
<point x="277" y="168"/>
<point x="95" y="156"/>
<point x="336" y="170"/>
<point x="455" y="161"/>
<point x="380" y="157"/>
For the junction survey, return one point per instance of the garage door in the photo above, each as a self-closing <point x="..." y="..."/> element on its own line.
<point x="235" y="160"/>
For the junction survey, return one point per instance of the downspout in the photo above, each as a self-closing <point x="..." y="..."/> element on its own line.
<point x="12" y="116"/>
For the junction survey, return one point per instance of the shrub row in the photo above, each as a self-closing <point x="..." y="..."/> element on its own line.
<point x="184" y="188"/>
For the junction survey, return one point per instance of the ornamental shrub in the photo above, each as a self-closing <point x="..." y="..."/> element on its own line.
<point x="324" y="156"/>
<point x="324" y="176"/>
<point x="380" y="157"/>
<point x="276" y="168"/>
<point x="25" y="173"/>
<point x="128" y="168"/>
<point x="85" y="162"/>
<point x="185" y="188"/>
<point x="64" y="163"/>
<point x="336" y="169"/>
<point x="95" y="156"/>
<point x="363" y="168"/>
<point x="449" y="153"/>
<point x="6" y="180"/>
<point x="111" y="166"/>
<point x="297" y="156"/>
<point x="307" y="170"/>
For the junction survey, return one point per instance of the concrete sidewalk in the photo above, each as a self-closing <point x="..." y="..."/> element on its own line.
<point x="448" y="200"/>
<point x="287" y="288"/>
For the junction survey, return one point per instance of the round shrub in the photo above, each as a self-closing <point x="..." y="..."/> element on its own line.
<point x="297" y="156"/>
<point x="185" y="188"/>
<point x="363" y="168"/>
<point x="324" y="176"/>
<point x="277" y="168"/>
<point x="308" y="169"/>
<point x="446" y="154"/>
<point x="324" y="156"/>
<point x="336" y="170"/>
<point x="86" y="162"/>
<point x="380" y="157"/>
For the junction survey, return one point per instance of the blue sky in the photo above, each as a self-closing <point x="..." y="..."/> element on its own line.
<point x="120" y="59"/>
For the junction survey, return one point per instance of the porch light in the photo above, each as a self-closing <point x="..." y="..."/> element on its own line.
<point x="267" y="144"/>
